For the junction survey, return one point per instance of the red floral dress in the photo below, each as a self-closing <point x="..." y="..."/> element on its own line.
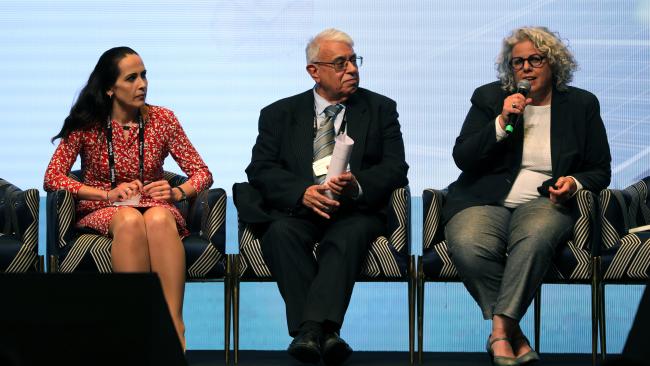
<point x="163" y="136"/>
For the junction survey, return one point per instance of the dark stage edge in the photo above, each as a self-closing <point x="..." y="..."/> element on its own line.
<point x="281" y="358"/>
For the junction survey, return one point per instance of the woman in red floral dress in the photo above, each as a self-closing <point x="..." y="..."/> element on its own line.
<point x="111" y="112"/>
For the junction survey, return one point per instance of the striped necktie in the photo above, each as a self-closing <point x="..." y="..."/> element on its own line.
<point x="324" y="140"/>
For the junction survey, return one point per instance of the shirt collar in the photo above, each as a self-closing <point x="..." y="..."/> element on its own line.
<point x="321" y="103"/>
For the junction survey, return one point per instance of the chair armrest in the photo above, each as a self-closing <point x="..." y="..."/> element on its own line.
<point x="60" y="216"/>
<point x="399" y="220"/>
<point x="586" y="233"/>
<point x="433" y="231"/>
<point x="623" y="209"/>
<point x="24" y="212"/>
<point x="21" y="220"/>
<point x="20" y="209"/>
<point x="207" y="217"/>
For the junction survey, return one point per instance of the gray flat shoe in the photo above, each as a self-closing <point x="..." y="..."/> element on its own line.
<point x="499" y="360"/>
<point x="528" y="357"/>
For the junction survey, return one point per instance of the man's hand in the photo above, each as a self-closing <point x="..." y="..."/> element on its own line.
<point x="344" y="185"/>
<point x="562" y="190"/>
<point x="315" y="198"/>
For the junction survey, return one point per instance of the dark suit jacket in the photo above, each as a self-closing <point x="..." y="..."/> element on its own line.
<point x="578" y="148"/>
<point x="281" y="163"/>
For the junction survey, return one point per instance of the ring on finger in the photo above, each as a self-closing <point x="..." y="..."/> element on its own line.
<point x="514" y="105"/>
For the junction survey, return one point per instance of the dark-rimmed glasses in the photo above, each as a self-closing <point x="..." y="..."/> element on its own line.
<point x="517" y="63"/>
<point x="341" y="63"/>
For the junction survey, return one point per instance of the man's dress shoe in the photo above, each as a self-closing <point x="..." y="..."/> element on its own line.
<point x="305" y="347"/>
<point x="334" y="349"/>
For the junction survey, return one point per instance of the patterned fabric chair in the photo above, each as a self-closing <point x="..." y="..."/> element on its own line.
<point x="70" y="249"/>
<point x="574" y="262"/>
<point x="389" y="259"/>
<point x="19" y="229"/>
<point x="625" y="256"/>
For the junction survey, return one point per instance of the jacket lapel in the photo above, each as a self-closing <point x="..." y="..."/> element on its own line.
<point x="358" y="122"/>
<point x="302" y="132"/>
<point x="560" y="121"/>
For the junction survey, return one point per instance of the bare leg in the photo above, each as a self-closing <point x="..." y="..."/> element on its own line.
<point x="519" y="344"/>
<point x="503" y="327"/>
<point x="129" y="252"/>
<point x="168" y="261"/>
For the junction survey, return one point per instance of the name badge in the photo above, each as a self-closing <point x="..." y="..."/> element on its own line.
<point x="320" y="165"/>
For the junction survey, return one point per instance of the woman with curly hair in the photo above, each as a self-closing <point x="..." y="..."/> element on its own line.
<point x="528" y="143"/>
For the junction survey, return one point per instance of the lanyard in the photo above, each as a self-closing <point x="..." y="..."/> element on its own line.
<point x="111" y="154"/>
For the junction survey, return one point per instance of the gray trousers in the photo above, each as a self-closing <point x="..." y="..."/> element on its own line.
<point x="503" y="254"/>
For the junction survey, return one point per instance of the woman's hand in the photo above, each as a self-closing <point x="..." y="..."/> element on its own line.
<point x="124" y="191"/>
<point x="563" y="189"/>
<point x="159" y="190"/>
<point x="513" y="104"/>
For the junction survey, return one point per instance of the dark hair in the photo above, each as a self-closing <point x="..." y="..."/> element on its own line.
<point x="93" y="105"/>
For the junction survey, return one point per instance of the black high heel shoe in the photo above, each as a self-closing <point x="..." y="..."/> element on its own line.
<point x="499" y="360"/>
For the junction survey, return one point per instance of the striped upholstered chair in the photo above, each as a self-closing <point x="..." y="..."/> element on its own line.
<point x="625" y="255"/>
<point x="18" y="229"/>
<point x="70" y="249"/>
<point x="574" y="262"/>
<point x="389" y="259"/>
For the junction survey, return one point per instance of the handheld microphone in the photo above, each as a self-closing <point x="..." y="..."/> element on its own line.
<point x="523" y="87"/>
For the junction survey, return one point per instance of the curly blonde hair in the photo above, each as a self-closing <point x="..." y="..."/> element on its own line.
<point x="549" y="44"/>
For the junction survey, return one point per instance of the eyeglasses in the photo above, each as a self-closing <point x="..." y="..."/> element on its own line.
<point x="517" y="63"/>
<point x="341" y="63"/>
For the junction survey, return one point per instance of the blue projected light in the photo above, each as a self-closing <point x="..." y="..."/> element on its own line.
<point x="217" y="63"/>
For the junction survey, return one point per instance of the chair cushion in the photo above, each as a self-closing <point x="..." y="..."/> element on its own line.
<point x="387" y="258"/>
<point x="625" y="256"/>
<point x="629" y="260"/>
<point x="570" y="264"/>
<point x="90" y="252"/>
<point x="82" y="250"/>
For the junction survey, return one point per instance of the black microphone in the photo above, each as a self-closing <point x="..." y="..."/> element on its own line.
<point x="523" y="87"/>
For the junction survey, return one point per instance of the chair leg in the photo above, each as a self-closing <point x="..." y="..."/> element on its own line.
<point x="603" y="327"/>
<point x="420" y="299"/>
<point x="41" y="264"/>
<point x="595" y="310"/>
<point x="411" y="295"/>
<point x="538" y="317"/>
<point x="53" y="264"/>
<point x="227" y="306"/>
<point x="235" y="309"/>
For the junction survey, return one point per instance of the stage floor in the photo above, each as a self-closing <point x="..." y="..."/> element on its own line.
<point x="281" y="358"/>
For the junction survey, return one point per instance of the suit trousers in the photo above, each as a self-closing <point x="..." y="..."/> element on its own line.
<point x="318" y="289"/>
<point x="502" y="254"/>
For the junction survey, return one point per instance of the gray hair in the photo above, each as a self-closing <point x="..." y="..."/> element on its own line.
<point x="557" y="54"/>
<point x="331" y="34"/>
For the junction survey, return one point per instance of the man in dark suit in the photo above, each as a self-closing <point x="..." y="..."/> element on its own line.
<point x="289" y="197"/>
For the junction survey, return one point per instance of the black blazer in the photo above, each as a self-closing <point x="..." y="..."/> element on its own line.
<point x="578" y="148"/>
<point x="281" y="165"/>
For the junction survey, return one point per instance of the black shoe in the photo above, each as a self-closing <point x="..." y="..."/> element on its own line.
<point x="305" y="347"/>
<point x="334" y="349"/>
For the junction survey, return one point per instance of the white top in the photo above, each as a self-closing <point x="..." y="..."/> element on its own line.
<point x="536" y="166"/>
<point x="536" y="157"/>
